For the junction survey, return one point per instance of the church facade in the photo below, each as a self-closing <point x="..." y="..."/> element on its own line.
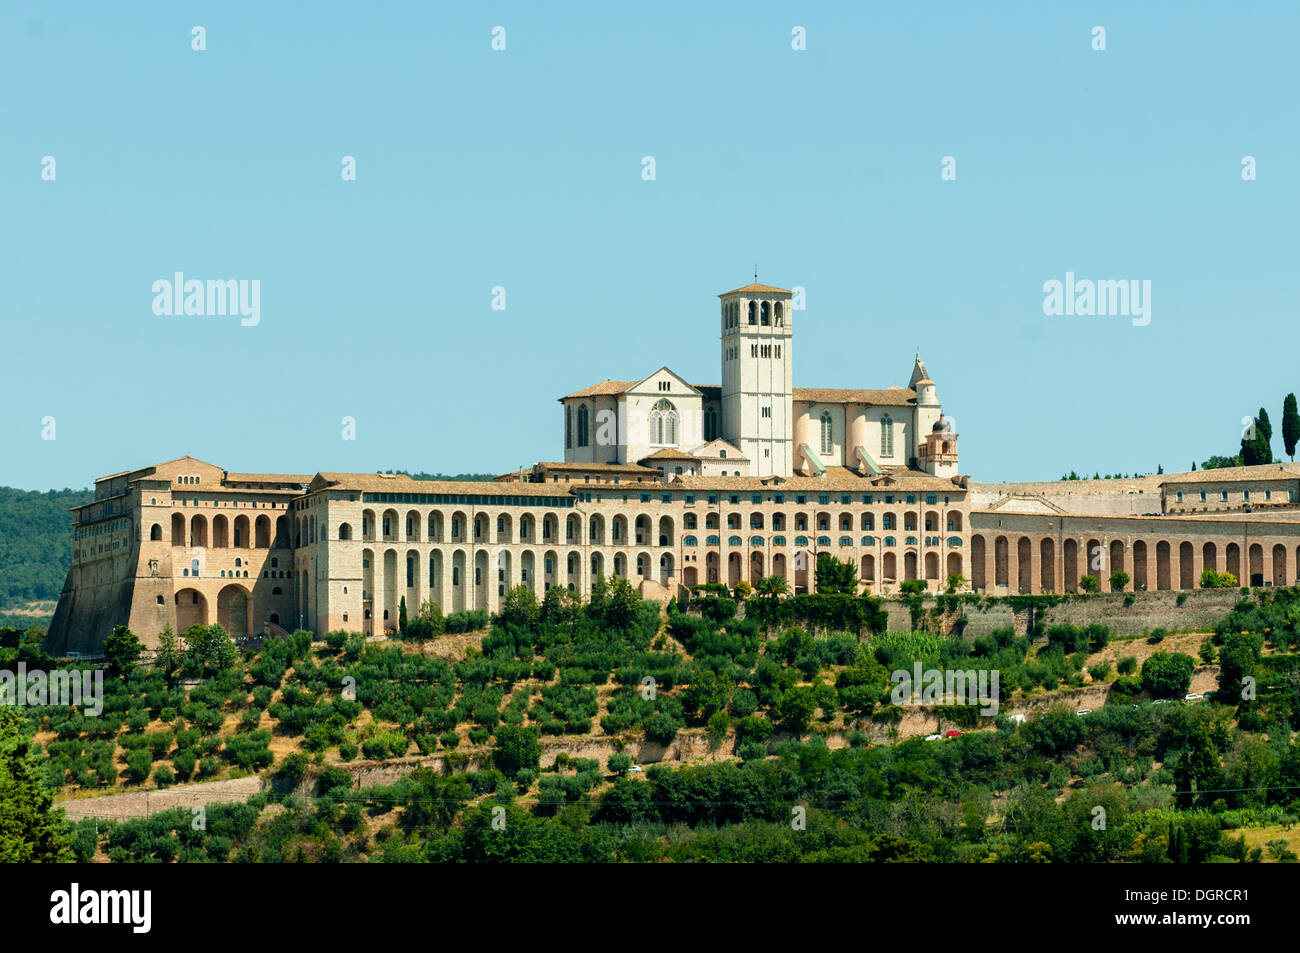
<point x="666" y="483"/>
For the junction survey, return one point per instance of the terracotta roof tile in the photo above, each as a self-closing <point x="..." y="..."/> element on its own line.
<point x="1266" y="471"/>
<point x="756" y="289"/>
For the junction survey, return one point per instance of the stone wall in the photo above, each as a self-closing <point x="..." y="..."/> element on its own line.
<point x="1200" y="611"/>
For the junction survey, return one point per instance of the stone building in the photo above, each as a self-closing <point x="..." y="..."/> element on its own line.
<point x="667" y="484"/>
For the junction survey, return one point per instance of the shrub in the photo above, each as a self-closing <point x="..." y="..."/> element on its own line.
<point x="347" y="750"/>
<point x="1127" y="665"/>
<point x="184" y="761"/>
<point x="138" y="765"/>
<point x="1167" y="674"/>
<point x="1099" y="671"/>
<point x="753" y="751"/>
<point x="743" y="703"/>
<point x="1089" y="583"/>
<point x="292" y="769"/>
<point x="618" y="763"/>
<point x="163" y="776"/>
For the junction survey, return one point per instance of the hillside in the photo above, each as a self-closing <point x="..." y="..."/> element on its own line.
<point x="35" y="544"/>
<point x="550" y="713"/>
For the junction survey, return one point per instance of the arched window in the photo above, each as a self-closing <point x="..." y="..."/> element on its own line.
<point x="767" y="314"/>
<point x="827" y="432"/>
<point x="663" y="423"/>
<point x="710" y="424"/>
<point x="568" y="427"/>
<point x="582" y="425"/>
<point x="780" y="314"/>
<point x="753" y="315"/>
<point x="886" y="436"/>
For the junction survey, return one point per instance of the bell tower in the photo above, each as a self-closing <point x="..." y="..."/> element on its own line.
<point x="757" y="394"/>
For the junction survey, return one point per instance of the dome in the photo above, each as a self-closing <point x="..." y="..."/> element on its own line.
<point x="940" y="425"/>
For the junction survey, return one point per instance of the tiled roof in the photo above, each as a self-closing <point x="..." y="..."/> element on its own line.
<point x="605" y="388"/>
<point x="598" y="468"/>
<point x="1266" y="471"/>
<point x="666" y="454"/>
<point x="268" y="478"/>
<point x="893" y="396"/>
<point x="836" y="479"/>
<point x="399" y="483"/>
<point x="756" y="289"/>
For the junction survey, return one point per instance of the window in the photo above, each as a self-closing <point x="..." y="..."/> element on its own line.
<point x="801" y="540"/>
<point x="886" y="436"/>
<point x="689" y="541"/>
<point x="582" y="425"/>
<point x="931" y="499"/>
<point x="846" y="540"/>
<point x="735" y="541"/>
<point x="778" y="540"/>
<point x="1246" y="496"/>
<point x="756" y="540"/>
<point x="823" y="540"/>
<point x="710" y="424"/>
<point x="1180" y="496"/>
<point x="827" y="433"/>
<point x="890" y="541"/>
<point x="1223" y="495"/>
<point x="663" y="423"/>
<point x="722" y="454"/>
<point x="711" y="541"/>
<point x="868" y="540"/>
<point x="568" y="427"/>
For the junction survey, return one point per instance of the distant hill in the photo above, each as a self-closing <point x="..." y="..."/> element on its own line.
<point x="35" y="542"/>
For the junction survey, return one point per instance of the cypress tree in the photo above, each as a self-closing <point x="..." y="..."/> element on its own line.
<point x="1290" y="425"/>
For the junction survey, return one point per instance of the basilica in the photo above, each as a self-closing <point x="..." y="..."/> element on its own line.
<point x="668" y="484"/>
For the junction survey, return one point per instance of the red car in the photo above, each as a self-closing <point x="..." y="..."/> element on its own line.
<point x="953" y="734"/>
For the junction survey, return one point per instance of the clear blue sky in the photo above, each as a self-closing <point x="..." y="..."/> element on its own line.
<point x="523" y="169"/>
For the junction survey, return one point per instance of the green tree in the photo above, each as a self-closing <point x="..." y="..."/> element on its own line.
<point x="1118" y="580"/>
<point x="32" y="830"/>
<point x="1089" y="583"/>
<point x="208" y="649"/>
<point x="517" y="747"/>
<point x="1255" y="442"/>
<point x="401" y="616"/>
<point x="122" y="649"/>
<point x="955" y="581"/>
<point x="1167" y="674"/>
<point x="770" y="591"/>
<point x="520" y="608"/>
<point x="1290" y="425"/>
<point x="796" y="708"/>
<point x="622" y="603"/>
<point x="834" y="577"/>
<point x="167" y="657"/>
